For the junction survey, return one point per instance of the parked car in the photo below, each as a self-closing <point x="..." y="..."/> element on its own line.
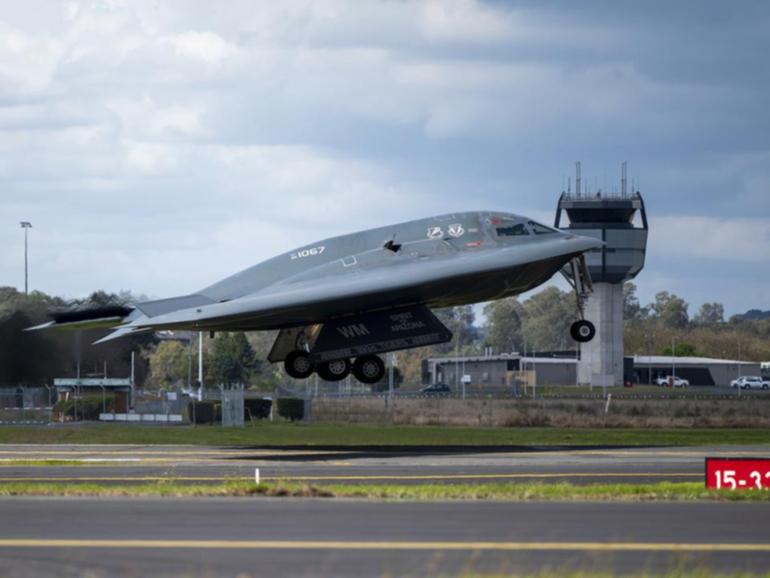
<point x="672" y="380"/>
<point x="750" y="382"/>
<point x="436" y="389"/>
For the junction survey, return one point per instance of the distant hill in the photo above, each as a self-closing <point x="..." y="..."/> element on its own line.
<point x="754" y="315"/>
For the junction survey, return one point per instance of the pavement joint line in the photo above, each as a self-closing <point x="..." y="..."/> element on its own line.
<point x="351" y="477"/>
<point x="381" y="545"/>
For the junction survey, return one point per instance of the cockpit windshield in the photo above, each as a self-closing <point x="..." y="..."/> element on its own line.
<point x="539" y="229"/>
<point x="511" y="227"/>
<point x="511" y="230"/>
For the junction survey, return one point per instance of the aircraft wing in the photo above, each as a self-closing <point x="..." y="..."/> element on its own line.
<point x="323" y="294"/>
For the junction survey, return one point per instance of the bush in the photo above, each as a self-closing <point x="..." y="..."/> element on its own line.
<point x="86" y="408"/>
<point x="256" y="408"/>
<point x="205" y="412"/>
<point x="292" y="408"/>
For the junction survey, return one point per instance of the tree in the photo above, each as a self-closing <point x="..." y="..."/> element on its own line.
<point x="169" y="363"/>
<point x="670" y="310"/>
<point x="681" y="350"/>
<point x="632" y="310"/>
<point x="547" y="319"/>
<point x="710" y="314"/>
<point x="460" y="321"/>
<point x="504" y="325"/>
<point x="231" y="360"/>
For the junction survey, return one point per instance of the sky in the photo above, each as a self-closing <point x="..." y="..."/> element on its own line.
<point x="158" y="146"/>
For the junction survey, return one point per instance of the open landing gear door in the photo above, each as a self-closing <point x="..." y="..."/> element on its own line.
<point x="365" y="334"/>
<point x="379" y="332"/>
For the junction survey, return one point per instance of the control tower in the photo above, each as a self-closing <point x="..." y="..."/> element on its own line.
<point x="611" y="217"/>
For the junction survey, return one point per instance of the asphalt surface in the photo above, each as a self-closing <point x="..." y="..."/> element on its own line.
<point x="121" y="464"/>
<point x="317" y="537"/>
<point x="332" y="537"/>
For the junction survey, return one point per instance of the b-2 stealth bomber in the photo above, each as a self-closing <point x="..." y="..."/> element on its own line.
<point x="340" y="302"/>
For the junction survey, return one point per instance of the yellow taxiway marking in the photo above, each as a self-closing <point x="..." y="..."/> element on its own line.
<point x="351" y="477"/>
<point x="191" y="453"/>
<point x="400" y="545"/>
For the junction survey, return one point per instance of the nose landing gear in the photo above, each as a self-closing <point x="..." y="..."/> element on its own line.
<point x="579" y="278"/>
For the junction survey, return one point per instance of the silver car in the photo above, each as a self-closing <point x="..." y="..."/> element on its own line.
<point x="750" y="382"/>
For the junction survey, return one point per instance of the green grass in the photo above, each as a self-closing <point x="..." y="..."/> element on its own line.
<point x="53" y="462"/>
<point x="287" y="434"/>
<point x="664" y="491"/>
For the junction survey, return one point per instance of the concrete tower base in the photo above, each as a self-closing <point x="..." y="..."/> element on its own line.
<point x="601" y="359"/>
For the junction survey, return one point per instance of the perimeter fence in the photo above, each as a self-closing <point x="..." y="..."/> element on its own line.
<point x="26" y="405"/>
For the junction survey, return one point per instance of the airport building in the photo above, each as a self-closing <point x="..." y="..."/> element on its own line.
<point x="505" y="371"/>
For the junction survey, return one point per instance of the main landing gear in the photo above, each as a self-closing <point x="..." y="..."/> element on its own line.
<point x="366" y="369"/>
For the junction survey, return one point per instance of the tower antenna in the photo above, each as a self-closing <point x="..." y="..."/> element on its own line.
<point x="623" y="179"/>
<point x="577" y="178"/>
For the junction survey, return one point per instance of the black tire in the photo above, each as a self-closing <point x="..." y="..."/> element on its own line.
<point x="369" y="369"/>
<point x="335" y="370"/>
<point x="298" y="365"/>
<point x="582" y="331"/>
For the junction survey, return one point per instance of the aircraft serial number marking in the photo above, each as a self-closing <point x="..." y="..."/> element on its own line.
<point x="313" y="251"/>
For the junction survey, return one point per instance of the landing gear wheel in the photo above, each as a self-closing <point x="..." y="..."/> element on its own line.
<point x="335" y="370"/>
<point x="582" y="331"/>
<point x="298" y="365"/>
<point x="369" y="369"/>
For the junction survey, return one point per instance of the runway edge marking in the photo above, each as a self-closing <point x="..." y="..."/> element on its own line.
<point x="379" y="545"/>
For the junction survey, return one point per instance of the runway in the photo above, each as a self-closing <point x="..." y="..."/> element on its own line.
<point x="272" y="537"/>
<point x="111" y="464"/>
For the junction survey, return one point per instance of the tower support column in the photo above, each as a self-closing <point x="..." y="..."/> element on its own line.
<point x="603" y="355"/>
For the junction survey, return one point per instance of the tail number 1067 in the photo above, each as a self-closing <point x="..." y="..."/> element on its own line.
<point x="312" y="252"/>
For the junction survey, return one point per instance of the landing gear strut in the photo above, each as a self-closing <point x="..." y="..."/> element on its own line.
<point x="578" y="277"/>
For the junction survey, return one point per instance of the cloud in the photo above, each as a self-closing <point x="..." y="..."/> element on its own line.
<point x="144" y="139"/>
<point x="711" y="238"/>
<point x="205" y="46"/>
<point x="464" y="21"/>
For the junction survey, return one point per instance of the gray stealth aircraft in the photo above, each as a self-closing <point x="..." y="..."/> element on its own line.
<point x="340" y="302"/>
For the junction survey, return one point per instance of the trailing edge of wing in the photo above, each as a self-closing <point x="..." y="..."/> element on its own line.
<point x="121" y="332"/>
<point x="93" y="318"/>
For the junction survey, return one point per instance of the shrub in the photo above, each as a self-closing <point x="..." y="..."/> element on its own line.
<point x="86" y="408"/>
<point x="205" y="412"/>
<point x="256" y="408"/>
<point x="292" y="408"/>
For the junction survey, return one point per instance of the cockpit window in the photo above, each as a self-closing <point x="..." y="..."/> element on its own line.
<point x="539" y="229"/>
<point x="512" y="230"/>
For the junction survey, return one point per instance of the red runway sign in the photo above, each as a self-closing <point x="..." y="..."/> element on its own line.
<point x="737" y="473"/>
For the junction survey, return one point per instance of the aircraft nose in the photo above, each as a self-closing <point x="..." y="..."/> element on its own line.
<point x="583" y="243"/>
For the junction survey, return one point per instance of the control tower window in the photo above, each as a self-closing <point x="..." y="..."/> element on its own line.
<point x="539" y="229"/>
<point x="512" y="231"/>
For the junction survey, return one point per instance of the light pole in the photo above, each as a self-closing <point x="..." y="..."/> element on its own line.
<point x="26" y="225"/>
